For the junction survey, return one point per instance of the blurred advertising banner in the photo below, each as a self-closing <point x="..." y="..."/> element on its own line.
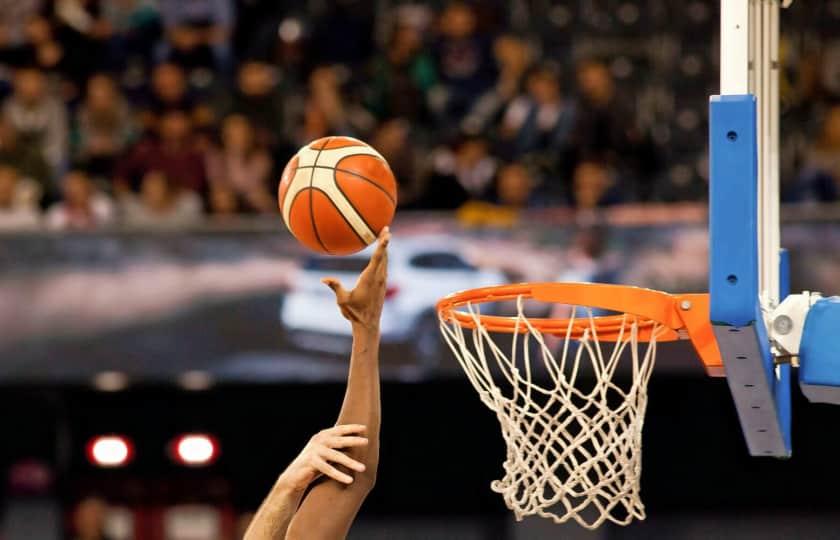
<point x="243" y="302"/>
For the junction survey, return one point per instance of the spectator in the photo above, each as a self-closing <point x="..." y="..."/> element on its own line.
<point x="606" y="130"/>
<point x="595" y="184"/>
<point x="514" y="186"/>
<point x="224" y="203"/>
<point x="540" y="120"/>
<point x="89" y="519"/>
<point x="464" y="60"/>
<point x="459" y="175"/>
<point x="173" y="152"/>
<point x="401" y="77"/>
<point x="105" y="126"/>
<point x="16" y="213"/>
<point x="26" y="158"/>
<point x="257" y="97"/>
<point x="198" y="32"/>
<point x="168" y="91"/>
<point x="513" y="58"/>
<point x="160" y="204"/>
<point x="820" y="177"/>
<point x="83" y="206"/>
<point x="39" y="117"/>
<point x="242" y="165"/>
<point x="17" y="42"/>
<point x="327" y="113"/>
<point x="393" y="140"/>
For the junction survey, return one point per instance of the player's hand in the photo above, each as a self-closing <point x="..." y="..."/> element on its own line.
<point x="321" y="455"/>
<point x="363" y="305"/>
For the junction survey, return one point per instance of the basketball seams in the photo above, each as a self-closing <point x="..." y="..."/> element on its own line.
<point x="319" y="160"/>
<point x="361" y="216"/>
<point x="369" y="181"/>
<point x="311" y="209"/>
<point x="329" y="198"/>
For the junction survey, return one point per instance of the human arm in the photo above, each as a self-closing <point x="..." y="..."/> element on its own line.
<point x="330" y="507"/>
<point x="317" y="458"/>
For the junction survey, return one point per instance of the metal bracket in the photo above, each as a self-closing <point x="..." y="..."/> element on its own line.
<point x="786" y="322"/>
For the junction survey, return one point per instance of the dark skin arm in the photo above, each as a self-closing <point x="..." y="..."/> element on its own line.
<point x="330" y="507"/>
<point x="341" y="461"/>
<point x="319" y="457"/>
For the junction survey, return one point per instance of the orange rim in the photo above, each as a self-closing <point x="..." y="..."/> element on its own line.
<point x="681" y="315"/>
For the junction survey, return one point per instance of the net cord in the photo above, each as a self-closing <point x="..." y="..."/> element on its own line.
<point x="571" y="453"/>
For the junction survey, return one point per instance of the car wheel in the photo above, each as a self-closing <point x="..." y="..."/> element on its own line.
<point x="429" y="347"/>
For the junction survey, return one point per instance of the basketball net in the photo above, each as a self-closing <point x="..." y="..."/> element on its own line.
<point x="574" y="441"/>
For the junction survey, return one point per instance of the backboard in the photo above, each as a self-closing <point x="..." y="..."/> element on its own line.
<point x="748" y="270"/>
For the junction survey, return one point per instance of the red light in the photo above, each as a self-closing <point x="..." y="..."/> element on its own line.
<point x="391" y="291"/>
<point x="110" y="451"/>
<point x="195" y="449"/>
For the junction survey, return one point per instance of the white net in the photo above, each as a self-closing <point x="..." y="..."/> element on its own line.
<point x="573" y="432"/>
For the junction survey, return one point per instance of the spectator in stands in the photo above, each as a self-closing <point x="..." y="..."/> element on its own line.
<point x="173" y="151"/>
<point x="257" y="96"/>
<point x="401" y="77"/>
<point x="595" y="183"/>
<point x="242" y="165"/>
<point x="513" y="58"/>
<point x="168" y="91"/>
<point x="89" y="519"/>
<point x="105" y="126"/>
<point x="464" y="59"/>
<point x="328" y="113"/>
<point x="198" y="32"/>
<point x="84" y="36"/>
<point x="460" y="175"/>
<point x="514" y="190"/>
<point x="820" y="176"/>
<point x="405" y="156"/>
<point x="26" y="158"/>
<point x="606" y="128"/>
<point x="39" y="117"/>
<point x="15" y="212"/>
<point x="83" y="207"/>
<point x="223" y="202"/>
<point x="160" y="204"/>
<point x="17" y="42"/>
<point x="540" y="120"/>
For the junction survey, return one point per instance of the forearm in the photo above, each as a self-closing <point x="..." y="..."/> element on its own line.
<point x="274" y="515"/>
<point x="329" y="508"/>
<point x="361" y="399"/>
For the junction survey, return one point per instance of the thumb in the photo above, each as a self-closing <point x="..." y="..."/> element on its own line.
<point x="336" y="286"/>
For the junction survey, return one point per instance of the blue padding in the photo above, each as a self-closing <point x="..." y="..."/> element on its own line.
<point x="820" y="349"/>
<point x="733" y="200"/>
<point x="782" y="390"/>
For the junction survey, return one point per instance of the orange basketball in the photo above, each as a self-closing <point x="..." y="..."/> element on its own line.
<point x="336" y="194"/>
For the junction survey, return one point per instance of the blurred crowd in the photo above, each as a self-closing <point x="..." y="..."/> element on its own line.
<point x="164" y="113"/>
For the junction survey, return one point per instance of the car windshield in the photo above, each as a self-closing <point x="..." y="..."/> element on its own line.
<point x="336" y="264"/>
<point x="440" y="261"/>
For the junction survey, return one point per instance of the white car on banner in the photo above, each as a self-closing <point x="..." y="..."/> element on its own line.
<point x="421" y="270"/>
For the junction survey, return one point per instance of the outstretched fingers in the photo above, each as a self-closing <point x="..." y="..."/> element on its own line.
<point x="380" y="256"/>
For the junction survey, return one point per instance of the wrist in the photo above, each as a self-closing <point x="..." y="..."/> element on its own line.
<point x="284" y="484"/>
<point x="369" y="329"/>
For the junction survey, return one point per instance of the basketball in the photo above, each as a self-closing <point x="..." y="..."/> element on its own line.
<point x="336" y="194"/>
